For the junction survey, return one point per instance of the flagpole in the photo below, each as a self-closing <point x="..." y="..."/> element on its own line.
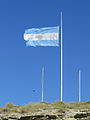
<point x="42" y="84"/>
<point x="79" y="82"/>
<point x="61" y="61"/>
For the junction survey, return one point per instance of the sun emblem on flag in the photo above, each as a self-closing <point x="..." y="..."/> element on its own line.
<point x="39" y="37"/>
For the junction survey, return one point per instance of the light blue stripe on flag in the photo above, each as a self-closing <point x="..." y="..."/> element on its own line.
<point x="48" y="36"/>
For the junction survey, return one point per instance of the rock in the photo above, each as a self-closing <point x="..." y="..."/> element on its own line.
<point x="70" y="119"/>
<point x="45" y="111"/>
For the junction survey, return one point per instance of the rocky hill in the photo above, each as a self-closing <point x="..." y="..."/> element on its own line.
<point x="46" y="111"/>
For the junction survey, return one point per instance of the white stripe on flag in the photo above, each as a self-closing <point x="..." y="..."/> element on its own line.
<point x="47" y="36"/>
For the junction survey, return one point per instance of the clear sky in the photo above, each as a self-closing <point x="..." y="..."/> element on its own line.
<point x="20" y="66"/>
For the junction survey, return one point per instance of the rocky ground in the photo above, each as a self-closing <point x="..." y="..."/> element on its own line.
<point x="46" y="111"/>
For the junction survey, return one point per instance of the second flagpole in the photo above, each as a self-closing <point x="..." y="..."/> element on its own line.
<point x="42" y="84"/>
<point x="61" y="67"/>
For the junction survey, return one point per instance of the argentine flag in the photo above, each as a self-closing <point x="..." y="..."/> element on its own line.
<point x="48" y="36"/>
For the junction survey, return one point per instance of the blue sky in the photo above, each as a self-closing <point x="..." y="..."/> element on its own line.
<point x="20" y="66"/>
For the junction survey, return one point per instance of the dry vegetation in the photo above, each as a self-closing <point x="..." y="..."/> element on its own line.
<point x="10" y="107"/>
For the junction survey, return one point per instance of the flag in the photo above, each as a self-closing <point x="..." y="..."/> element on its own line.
<point x="48" y="36"/>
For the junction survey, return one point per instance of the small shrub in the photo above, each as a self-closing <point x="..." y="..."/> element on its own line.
<point x="10" y="105"/>
<point x="5" y="110"/>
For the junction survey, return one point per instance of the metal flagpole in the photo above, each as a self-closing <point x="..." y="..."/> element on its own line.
<point x="79" y="97"/>
<point x="42" y="84"/>
<point x="61" y="61"/>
